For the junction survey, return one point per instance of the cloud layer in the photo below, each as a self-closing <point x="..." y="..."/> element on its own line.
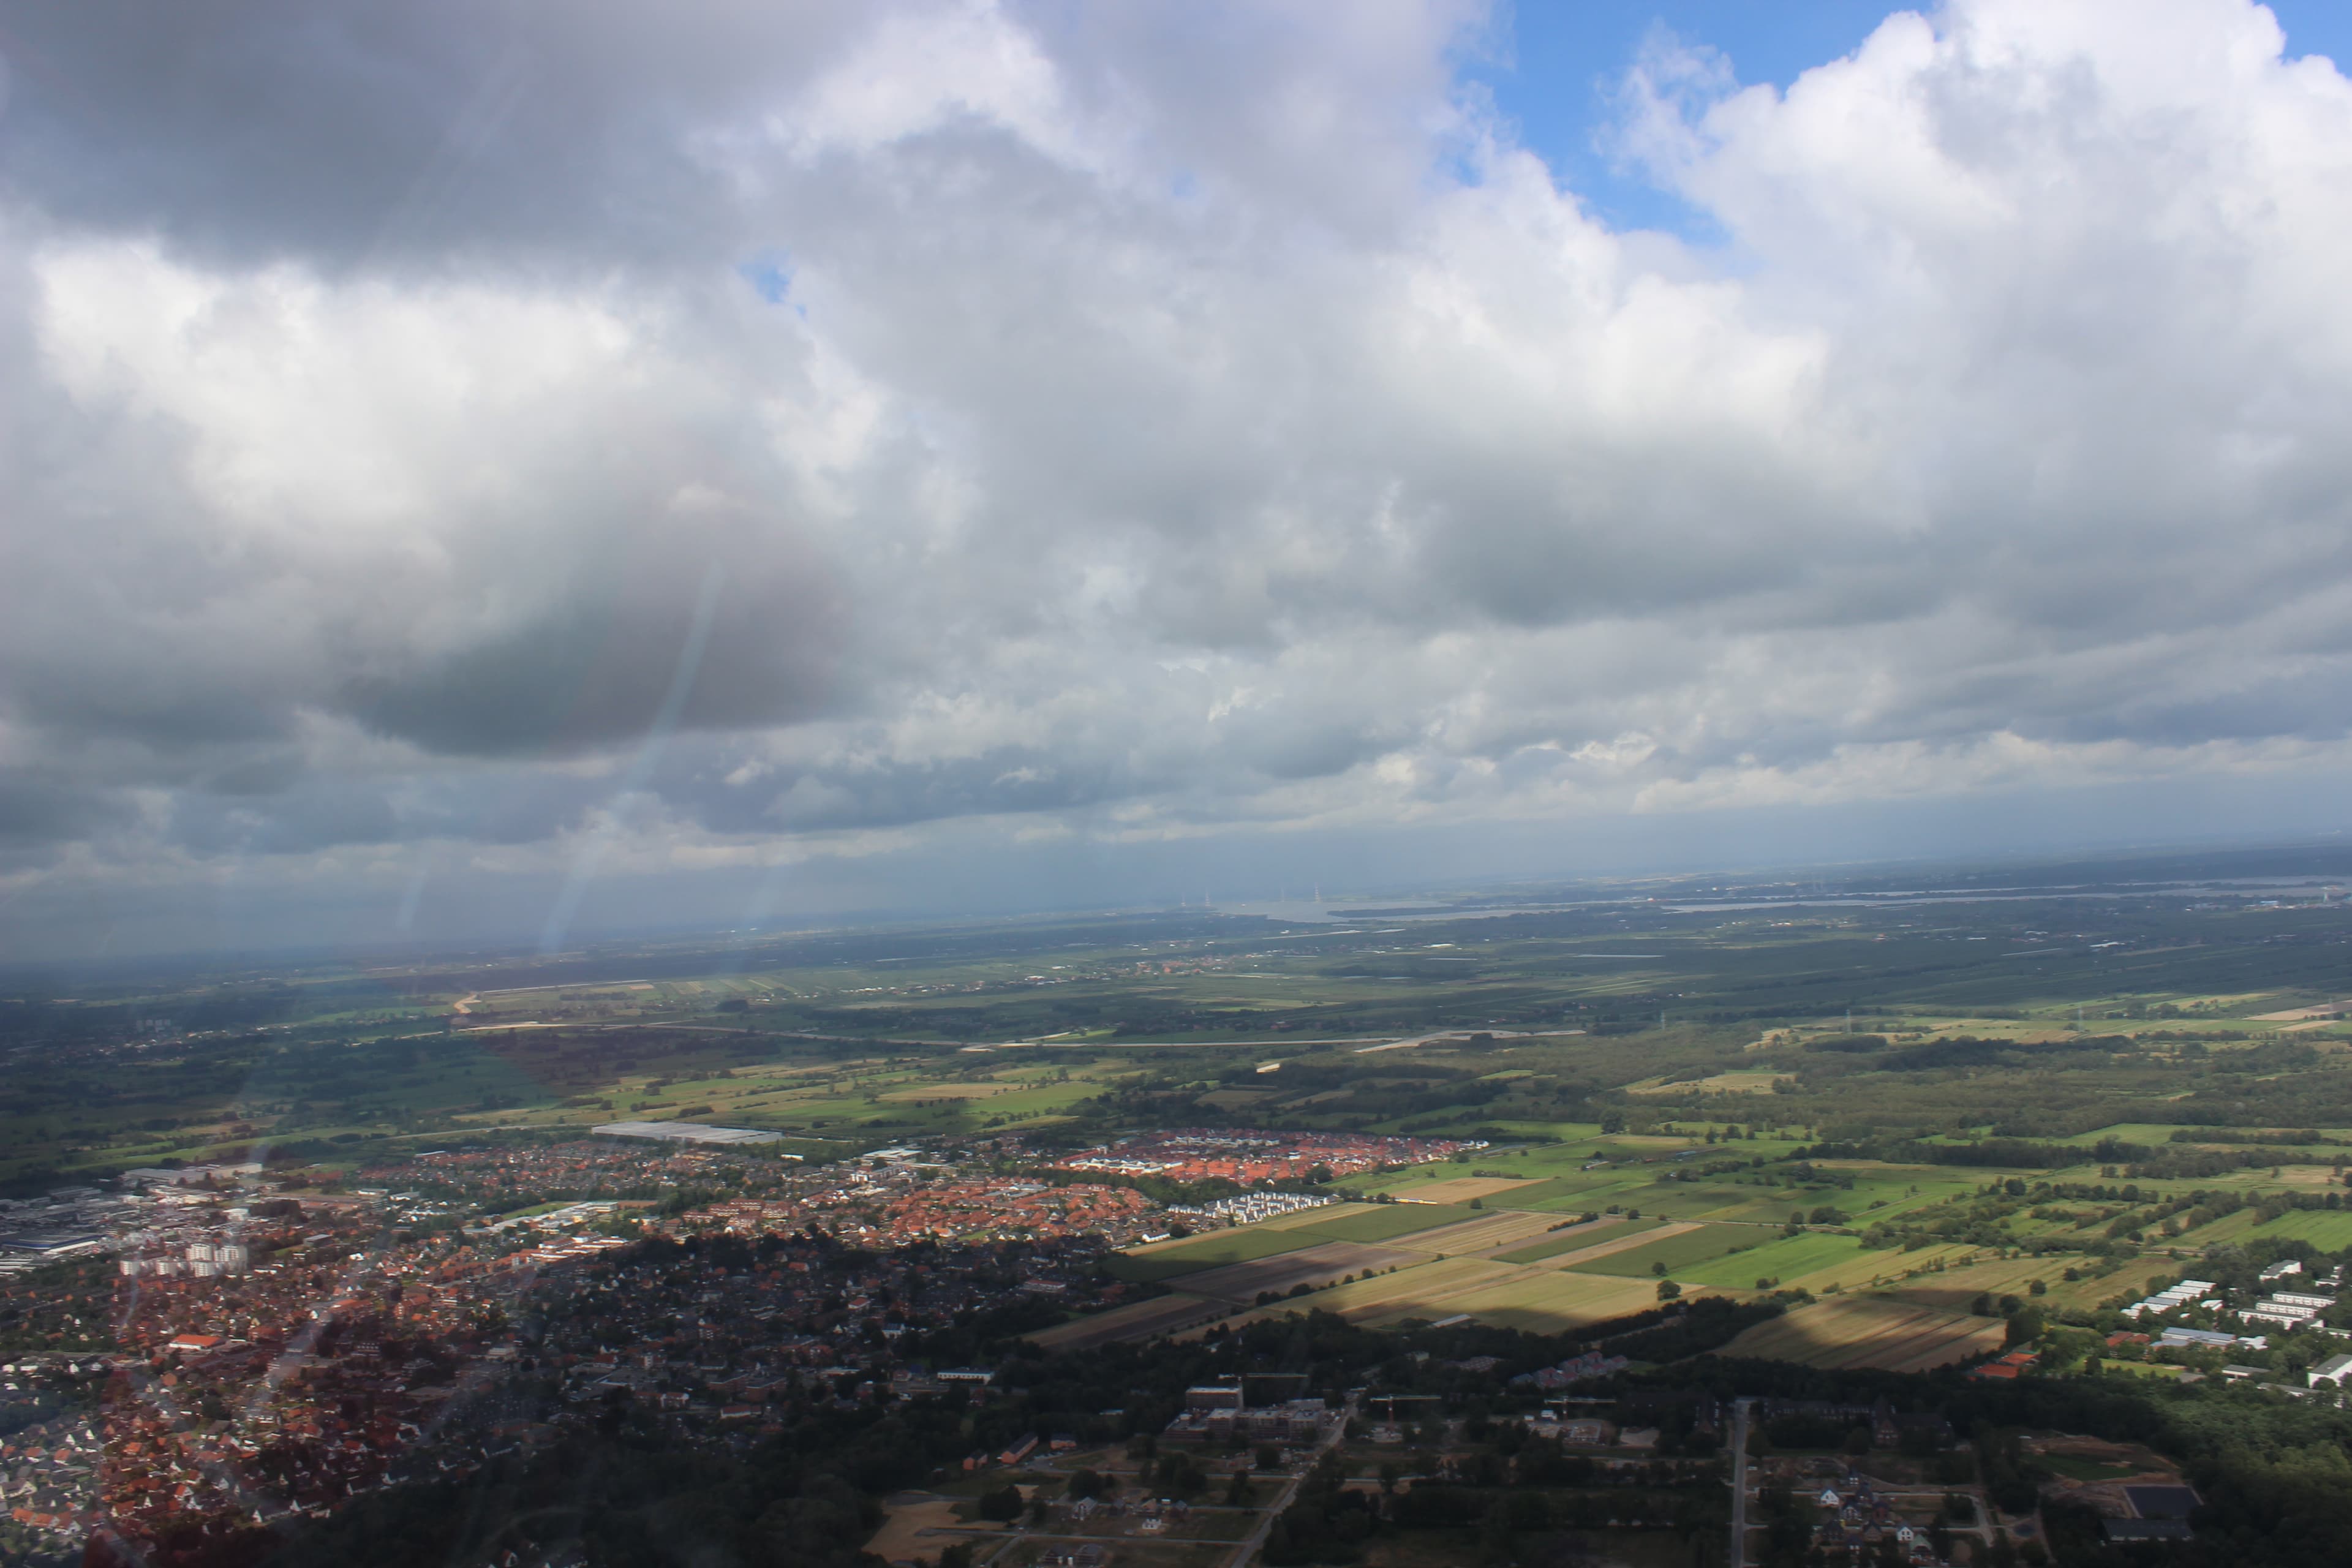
<point x="437" y="437"/>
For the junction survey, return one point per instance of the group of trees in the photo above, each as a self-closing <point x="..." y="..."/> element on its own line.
<point x="2275" y="1474"/>
<point x="1514" y="1498"/>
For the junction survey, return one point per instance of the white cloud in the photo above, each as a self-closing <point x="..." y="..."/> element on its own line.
<point x="1149" y="429"/>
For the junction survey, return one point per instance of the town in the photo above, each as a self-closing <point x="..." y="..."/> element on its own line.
<point x="1248" y="1157"/>
<point x="277" y="1345"/>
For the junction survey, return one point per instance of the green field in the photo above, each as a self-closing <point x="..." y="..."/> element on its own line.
<point x="1678" y="1251"/>
<point x="1788" y="1258"/>
<point x="1541" y="1195"/>
<point x="2330" y="1232"/>
<point x="1575" y="1195"/>
<point x="1751" y="1204"/>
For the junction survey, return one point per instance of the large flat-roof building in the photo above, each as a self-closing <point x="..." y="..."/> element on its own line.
<point x="686" y="1132"/>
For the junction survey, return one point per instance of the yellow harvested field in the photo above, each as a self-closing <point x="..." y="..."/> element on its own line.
<point x="1753" y="1081"/>
<point x="1141" y="1320"/>
<point x="1867" y="1332"/>
<point x="1462" y="1189"/>
<point x="1487" y="1233"/>
<point x="1416" y="1292"/>
<point x="1419" y="1292"/>
<point x="1955" y="1287"/>
<point x="1551" y="1302"/>
<point x="949" y="1091"/>
<point x="1543" y="1301"/>
<point x="1874" y="1271"/>
<point x="1323" y="1215"/>
<point x="907" y="1530"/>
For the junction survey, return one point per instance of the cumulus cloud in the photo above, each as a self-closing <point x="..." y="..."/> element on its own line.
<point x="734" y="434"/>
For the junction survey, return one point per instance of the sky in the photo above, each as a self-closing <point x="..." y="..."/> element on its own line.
<point x="473" y="471"/>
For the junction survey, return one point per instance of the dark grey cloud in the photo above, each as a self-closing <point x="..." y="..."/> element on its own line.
<point x="44" y="806"/>
<point x="596" y="667"/>
<point x="410" y="136"/>
<point x="318" y="814"/>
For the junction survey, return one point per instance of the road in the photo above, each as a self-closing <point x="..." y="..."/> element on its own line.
<point x="1455" y="1034"/>
<point x="1739" y="1483"/>
<point x="1282" y="1499"/>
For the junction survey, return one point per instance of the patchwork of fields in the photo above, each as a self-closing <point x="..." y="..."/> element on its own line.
<point x="1521" y="1258"/>
<point x="1792" y="1260"/>
<point x="1577" y="1239"/>
<point x="1670" y="1251"/>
